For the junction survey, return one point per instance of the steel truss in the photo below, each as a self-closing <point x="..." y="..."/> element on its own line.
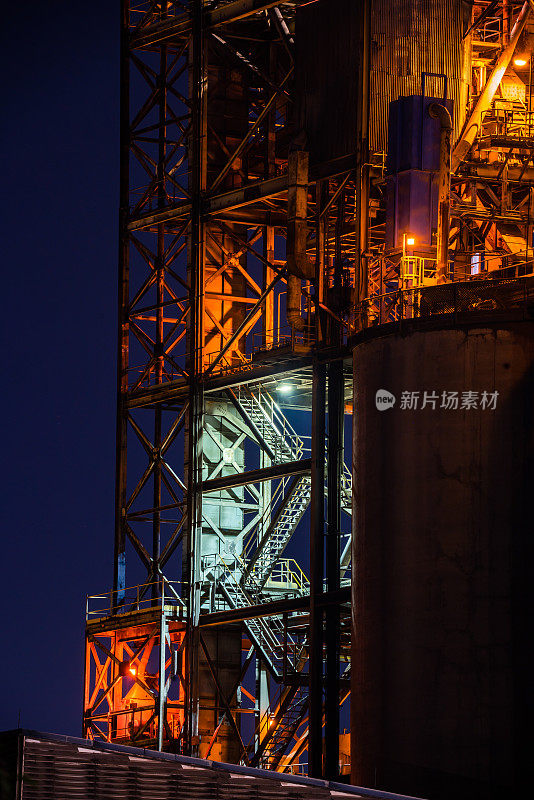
<point x="240" y="264"/>
<point x="209" y="653"/>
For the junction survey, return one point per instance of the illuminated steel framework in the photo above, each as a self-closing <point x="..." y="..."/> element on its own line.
<point x="211" y="650"/>
<point x="245" y="264"/>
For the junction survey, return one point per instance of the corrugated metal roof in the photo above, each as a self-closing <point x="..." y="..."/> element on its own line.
<point x="58" y="767"/>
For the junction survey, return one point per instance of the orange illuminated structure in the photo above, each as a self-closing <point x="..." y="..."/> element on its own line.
<point x="252" y="247"/>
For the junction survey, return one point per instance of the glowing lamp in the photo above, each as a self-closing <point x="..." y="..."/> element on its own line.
<point x="520" y="62"/>
<point x="127" y="669"/>
<point x="410" y="241"/>
<point x="284" y="388"/>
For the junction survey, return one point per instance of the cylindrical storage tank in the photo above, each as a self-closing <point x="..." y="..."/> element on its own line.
<point x="442" y="559"/>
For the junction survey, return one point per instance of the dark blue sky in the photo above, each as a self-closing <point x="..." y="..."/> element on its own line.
<point x="59" y="147"/>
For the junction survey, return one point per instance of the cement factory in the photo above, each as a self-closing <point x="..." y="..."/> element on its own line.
<point x="325" y="435"/>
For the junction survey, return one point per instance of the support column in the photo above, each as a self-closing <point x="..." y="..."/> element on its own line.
<point x="315" y="737"/>
<point x="119" y="571"/>
<point x="362" y="155"/>
<point x="333" y="538"/>
<point x="196" y="399"/>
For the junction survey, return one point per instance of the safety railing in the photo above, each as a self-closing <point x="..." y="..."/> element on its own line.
<point x="253" y="537"/>
<point x="157" y="594"/>
<point x="515" y="294"/>
<point x="289" y="574"/>
<point x="508" y="122"/>
<point x="282" y="337"/>
<point x="415" y="270"/>
<point x="262" y="405"/>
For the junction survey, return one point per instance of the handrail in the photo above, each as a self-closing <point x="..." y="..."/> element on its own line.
<point x="134" y="598"/>
<point x="503" y="294"/>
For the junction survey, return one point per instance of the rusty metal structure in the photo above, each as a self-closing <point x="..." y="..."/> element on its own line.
<point x="291" y="174"/>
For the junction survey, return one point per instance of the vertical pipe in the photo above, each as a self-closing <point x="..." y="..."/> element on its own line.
<point x="268" y="233"/>
<point x="119" y="570"/>
<point x="315" y="724"/>
<point x="321" y="189"/>
<point x="160" y="279"/>
<point x="268" y="277"/>
<point x="505" y="22"/>
<point x="439" y="112"/>
<point x="297" y="229"/>
<point x="362" y="154"/>
<point x="196" y="400"/>
<point x="162" y="704"/>
<point x="333" y="533"/>
<point x="315" y="743"/>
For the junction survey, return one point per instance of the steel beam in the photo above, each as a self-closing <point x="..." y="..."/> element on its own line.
<point x="237" y="198"/>
<point x="257" y="475"/>
<point x="275" y="608"/>
<point x="180" y="27"/>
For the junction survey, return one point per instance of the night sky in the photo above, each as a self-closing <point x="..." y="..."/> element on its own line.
<point x="59" y="145"/>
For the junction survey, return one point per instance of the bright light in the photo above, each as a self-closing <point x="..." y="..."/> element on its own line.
<point x="410" y="241"/>
<point x="285" y="388"/>
<point x="133" y="671"/>
<point x="520" y="62"/>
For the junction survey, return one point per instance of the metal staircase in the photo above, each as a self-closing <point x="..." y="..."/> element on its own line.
<point x="281" y="441"/>
<point x="267" y="420"/>
<point x="283" y="525"/>
<point x="278" y="534"/>
<point x="280" y="726"/>
<point x="245" y="582"/>
<point x="267" y="634"/>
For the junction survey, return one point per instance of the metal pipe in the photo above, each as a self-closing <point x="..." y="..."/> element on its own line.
<point x="293" y="308"/>
<point x="441" y="113"/>
<point x="333" y="546"/>
<point x="298" y="265"/>
<point x="123" y="297"/>
<point x="484" y="101"/>
<point x="281" y="26"/>
<point x="493" y="172"/>
<point x="362" y="154"/>
<point x="195" y="421"/>
<point x="315" y="724"/>
<point x="506" y="21"/>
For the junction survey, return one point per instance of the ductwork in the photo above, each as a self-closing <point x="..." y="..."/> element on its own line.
<point x="439" y="112"/>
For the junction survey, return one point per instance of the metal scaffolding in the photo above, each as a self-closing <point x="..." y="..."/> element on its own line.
<point x="245" y="266"/>
<point x="222" y="234"/>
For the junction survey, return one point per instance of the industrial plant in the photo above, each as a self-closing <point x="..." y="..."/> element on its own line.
<point x="323" y="527"/>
